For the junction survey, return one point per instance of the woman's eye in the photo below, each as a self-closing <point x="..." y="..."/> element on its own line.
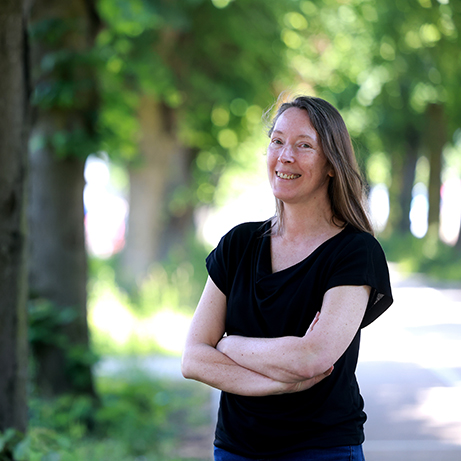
<point x="305" y="146"/>
<point x="276" y="141"/>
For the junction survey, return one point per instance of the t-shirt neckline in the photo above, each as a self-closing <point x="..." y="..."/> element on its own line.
<point x="267" y="251"/>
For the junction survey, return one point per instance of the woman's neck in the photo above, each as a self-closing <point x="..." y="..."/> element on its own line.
<point x="302" y="232"/>
<point x="301" y="221"/>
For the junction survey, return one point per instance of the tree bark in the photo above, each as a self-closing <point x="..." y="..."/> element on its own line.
<point x="58" y="268"/>
<point x="149" y="178"/>
<point x="395" y="189"/>
<point x="13" y="166"/>
<point x="403" y="163"/>
<point x="408" y="178"/>
<point x="62" y="33"/>
<point x="180" y="219"/>
<point x="436" y="140"/>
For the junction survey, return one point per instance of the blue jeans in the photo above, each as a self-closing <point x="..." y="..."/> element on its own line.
<point x="347" y="453"/>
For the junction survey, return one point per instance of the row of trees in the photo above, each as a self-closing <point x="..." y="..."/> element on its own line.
<point x="393" y="68"/>
<point x="169" y="89"/>
<point x="140" y="80"/>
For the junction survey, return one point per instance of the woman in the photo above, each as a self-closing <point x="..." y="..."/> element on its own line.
<point x="277" y="328"/>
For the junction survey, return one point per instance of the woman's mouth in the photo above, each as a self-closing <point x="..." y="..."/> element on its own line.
<point x="287" y="176"/>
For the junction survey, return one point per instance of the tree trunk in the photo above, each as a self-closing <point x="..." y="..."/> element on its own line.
<point x="436" y="140"/>
<point x="180" y="220"/>
<point x="395" y="190"/>
<point x="403" y="176"/>
<point x="13" y="160"/>
<point x="62" y="35"/>
<point x="58" y="270"/>
<point x="408" y="179"/>
<point x="149" y="178"/>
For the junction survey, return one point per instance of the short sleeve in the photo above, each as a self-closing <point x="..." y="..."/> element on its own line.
<point x="216" y="263"/>
<point x="222" y="263"/>
<point x="362" y="262"/>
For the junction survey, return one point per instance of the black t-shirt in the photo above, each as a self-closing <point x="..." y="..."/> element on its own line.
<point x="265" y="304"/>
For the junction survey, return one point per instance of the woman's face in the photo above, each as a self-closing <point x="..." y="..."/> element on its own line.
<point x="297" y="167"/>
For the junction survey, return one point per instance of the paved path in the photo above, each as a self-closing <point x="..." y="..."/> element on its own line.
<point x="409" y="373"/>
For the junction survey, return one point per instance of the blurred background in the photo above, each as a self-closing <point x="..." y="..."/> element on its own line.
<point x="132" y="138"/>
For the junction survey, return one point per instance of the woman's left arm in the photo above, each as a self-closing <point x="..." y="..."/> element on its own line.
<point x="293" y="359"/>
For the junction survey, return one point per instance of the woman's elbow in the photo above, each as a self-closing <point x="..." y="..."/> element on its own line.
<point x="314" y="368"/>
<point x="192" y="361"/>
<point x="187" y="368"/>
<point x="306" y="372"/>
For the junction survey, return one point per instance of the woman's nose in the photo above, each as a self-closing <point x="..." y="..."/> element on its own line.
<point x="286" y="156"/>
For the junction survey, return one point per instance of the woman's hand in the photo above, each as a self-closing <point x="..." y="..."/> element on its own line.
<point x="311" y="326"/>
<point x="308" y="383"/>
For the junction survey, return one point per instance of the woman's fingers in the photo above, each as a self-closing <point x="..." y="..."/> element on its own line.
<point x="316" y="319"/>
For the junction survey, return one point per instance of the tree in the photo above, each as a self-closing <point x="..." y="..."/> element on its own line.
<point x="427" y="41"/>
<point x="13" y="162"/>
<point x="63" y="133"/>
<point x="436" y="140"/>
<point x="388" y="66"/>
<point x="416" y="44"/>
<point x="189" y="71"/>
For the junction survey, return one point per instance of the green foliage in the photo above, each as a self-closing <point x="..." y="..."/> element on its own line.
<point x="47" y="328"/>
<point x="50" y="31"/>
<point x="427" y="256"/>
<point x="138" y="417"/>
<point x="64" y="84"/>
<point x="46" y="320"/>
<point x="66" y="414"/>
<point x="129" y="410"/>
<point x="168" y="50"/>
<point x="11" y="445"/>
<point x="382" y="63"/>
<point x="43" y="444"/>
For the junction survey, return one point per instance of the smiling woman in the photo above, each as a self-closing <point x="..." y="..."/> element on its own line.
<point x="328" y="133"/>
<point x="297" y="167"/>
<point x="277" y="329"/>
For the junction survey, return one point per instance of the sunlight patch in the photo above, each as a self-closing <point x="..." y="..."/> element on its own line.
<point x="170" y="329"/>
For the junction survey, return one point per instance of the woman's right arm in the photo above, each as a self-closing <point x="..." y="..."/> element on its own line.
<point x="202" y="362"/>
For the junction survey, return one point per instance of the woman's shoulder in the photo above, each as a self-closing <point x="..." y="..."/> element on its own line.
<point x="353" y="241"/>
<point x="358" y="245"/>
<point x="247" y="229"/>
<point x="228" y="253"/>
<point x="241" y="235"/>
<point x="360" y="237"/>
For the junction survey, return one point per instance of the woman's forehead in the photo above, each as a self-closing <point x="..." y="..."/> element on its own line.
<point x="295" y="121"/>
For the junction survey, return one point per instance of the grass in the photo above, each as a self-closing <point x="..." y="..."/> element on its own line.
<point x="139" y="418"/>
<point x="429" y="256"/>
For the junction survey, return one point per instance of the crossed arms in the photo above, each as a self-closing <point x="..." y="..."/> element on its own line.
<point x="263" y="366"/>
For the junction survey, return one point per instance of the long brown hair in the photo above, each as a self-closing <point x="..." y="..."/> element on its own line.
<point x="346" y="189"/>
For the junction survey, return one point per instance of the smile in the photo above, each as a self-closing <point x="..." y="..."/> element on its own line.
<point x="287" y="176"/>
